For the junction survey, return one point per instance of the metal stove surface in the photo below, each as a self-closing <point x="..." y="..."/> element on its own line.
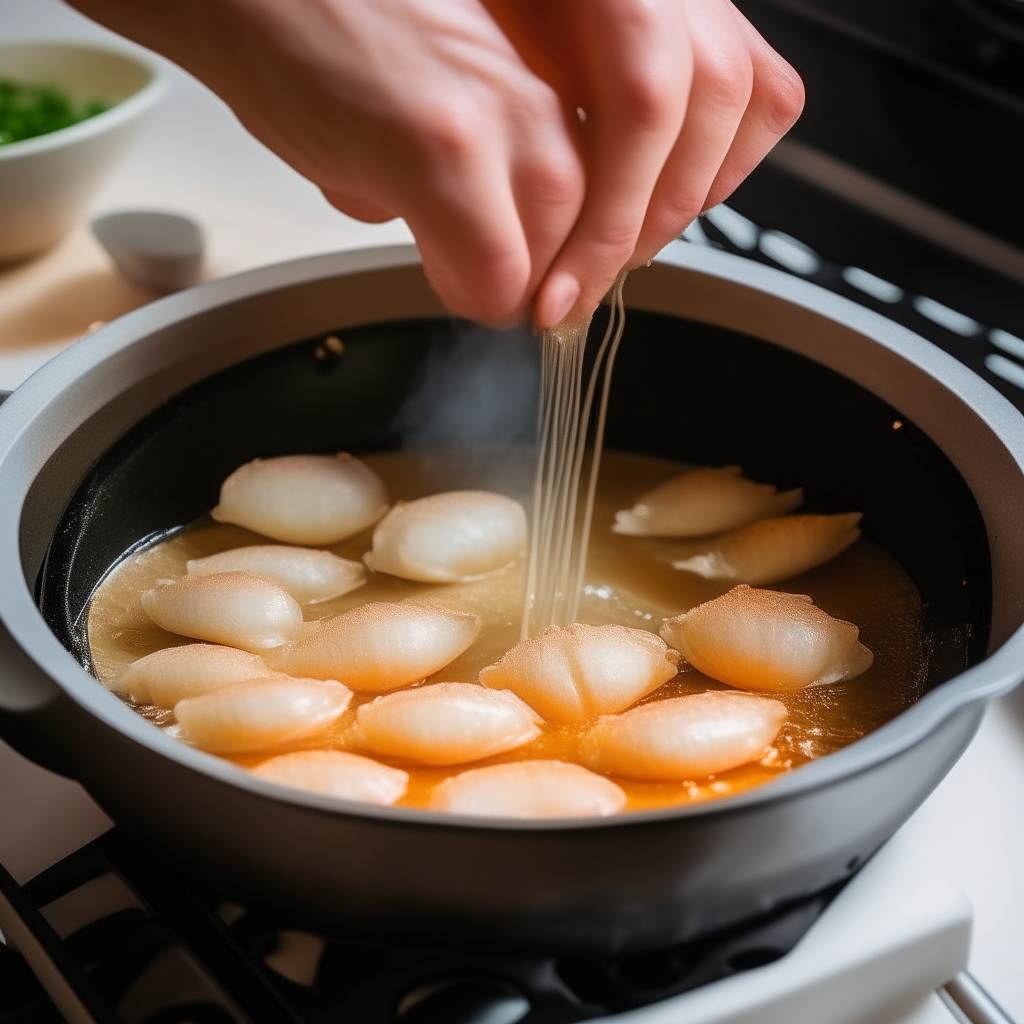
<point x="117" y="938"/>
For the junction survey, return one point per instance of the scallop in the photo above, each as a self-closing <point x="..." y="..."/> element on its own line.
<point x="261" y="714"/>
<point x="529" y="789"/>
<point x="684" y="737"/>
<point x="446" y="723"/>
<point x="309" y="576"/>
<point x="767" y="640"/>
<point x="774" y="549"/>
<point x="303" y="499"/>
<point x="167" y="676"/>
<point x="571" y="673"/>
<point x="239" y="609"/>
<point x="449" y="538"/>
<point x="336" y="773"/>
<point x="382" y="645"/>
<point x="704" y="501"/>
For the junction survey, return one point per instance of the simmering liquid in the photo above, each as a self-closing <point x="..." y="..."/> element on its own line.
<point x="629" y="581"/>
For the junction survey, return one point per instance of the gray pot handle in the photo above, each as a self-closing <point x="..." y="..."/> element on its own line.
<point x="25" y="689"/>
<point x="29" y="706"/>
<point x="27" y="693"/>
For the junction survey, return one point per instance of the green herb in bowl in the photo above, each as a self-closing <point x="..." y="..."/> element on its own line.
<point x="30" y="110"/>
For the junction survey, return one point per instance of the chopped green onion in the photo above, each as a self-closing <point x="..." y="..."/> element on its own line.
<point x="30" y="110"/>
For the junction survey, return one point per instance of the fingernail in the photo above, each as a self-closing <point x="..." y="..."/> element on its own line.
<point x="556" y="301"/>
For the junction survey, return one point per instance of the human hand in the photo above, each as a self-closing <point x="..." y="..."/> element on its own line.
<point x="460" y="116"/>
<point x="419" y="109"/>
<point x="683" y="98"/>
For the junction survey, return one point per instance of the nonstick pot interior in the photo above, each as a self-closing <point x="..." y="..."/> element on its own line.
<point x="684" y="390"/>
<point x="129" y="437"/>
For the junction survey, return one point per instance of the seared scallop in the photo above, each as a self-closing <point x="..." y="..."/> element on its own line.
<point x="767" y="640"/>
<point x="704" y="501"/>
<point x="336" y="773"/>
<point x="684" y="737"/>
<point x="167" y="676"/>
<point x="446" y="723"/>
<point x="774" y="549"/>
<point x="303" y="499"/>
<point x="239" y="609"/>
<point x="529" y="789"/>
<point x="310" y="576"/>
<point x="449" y="538"/>
<point x="571" y="673"/>
<point x="382" y="645"/>
<point x="261" y="714"/>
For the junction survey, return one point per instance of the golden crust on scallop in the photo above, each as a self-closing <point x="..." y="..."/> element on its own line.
<point x="767" y="640"/>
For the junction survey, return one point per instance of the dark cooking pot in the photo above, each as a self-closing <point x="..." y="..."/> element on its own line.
<point x="130" y="432"/>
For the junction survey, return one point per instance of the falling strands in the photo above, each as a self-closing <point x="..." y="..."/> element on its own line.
<point x="560" y="530"/>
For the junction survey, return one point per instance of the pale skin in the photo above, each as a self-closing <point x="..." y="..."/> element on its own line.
<point x="534" y="147"/>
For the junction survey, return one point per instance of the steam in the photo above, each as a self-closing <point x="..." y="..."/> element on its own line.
<point x="476" y="399"/>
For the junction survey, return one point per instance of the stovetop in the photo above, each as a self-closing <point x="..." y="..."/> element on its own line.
<point x="971" y="313"/>
<point x="134" y="942"/>
<point x="925" y="95"/>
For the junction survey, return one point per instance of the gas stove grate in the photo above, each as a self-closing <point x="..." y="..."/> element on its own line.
<point x="971" y="313"/>
<point x="139" y="944"/>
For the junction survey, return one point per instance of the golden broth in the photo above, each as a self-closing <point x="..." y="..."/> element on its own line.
<point x="629" y="581"/>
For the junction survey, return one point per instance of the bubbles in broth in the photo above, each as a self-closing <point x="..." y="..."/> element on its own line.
<point x="631" y="580"/>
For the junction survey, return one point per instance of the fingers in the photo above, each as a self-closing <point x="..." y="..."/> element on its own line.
<point x="548" y="184"/>
<point x="498" y="192"/>
<point x="637" y="70"/>
<point x="683" y="98"/>
<point x="471" y="238"/>
<point x="723" y="81"/>
<point x="475" y="257"/>
<point x="741" y="99"/>
<point x="482" y="166"/>
<point x="776" y="101"/>
<point x="357" y="207"/>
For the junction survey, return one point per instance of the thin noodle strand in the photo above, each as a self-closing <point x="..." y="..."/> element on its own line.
<point x="561" y="528"/>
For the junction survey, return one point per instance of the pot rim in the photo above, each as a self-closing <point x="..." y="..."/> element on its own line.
<point x="996" y="675"/>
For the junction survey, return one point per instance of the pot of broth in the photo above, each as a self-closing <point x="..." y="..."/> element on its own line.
<point x="114" y="455"/>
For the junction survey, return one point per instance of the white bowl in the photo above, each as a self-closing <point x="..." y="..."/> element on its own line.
<point x="45" y="182"/>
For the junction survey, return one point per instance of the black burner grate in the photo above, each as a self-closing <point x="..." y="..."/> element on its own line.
<point x="139" y="944"/>
<point x="962" y="307"/>
<point x="23" y="1000"/>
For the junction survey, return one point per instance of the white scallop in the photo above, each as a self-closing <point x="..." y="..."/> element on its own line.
<point x="446" y="723"/>
<point x="572" y="673"/>
<point x="382" y="645"/>
<point x="167" y="676"/>
<point x="767" y="640"/>
<point x="529" y="789"/>
<point x="310" y="576"/>
<point x="704" y="501"/>
<point x="303" y="499"/>
<point x="449" y="538"/>
<point x="260" y="714"/>
<point x="239" y="609"/>
<point x="336" y="773"/>
<point x="774" y="549"/>
<point x="684" y="737"/>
